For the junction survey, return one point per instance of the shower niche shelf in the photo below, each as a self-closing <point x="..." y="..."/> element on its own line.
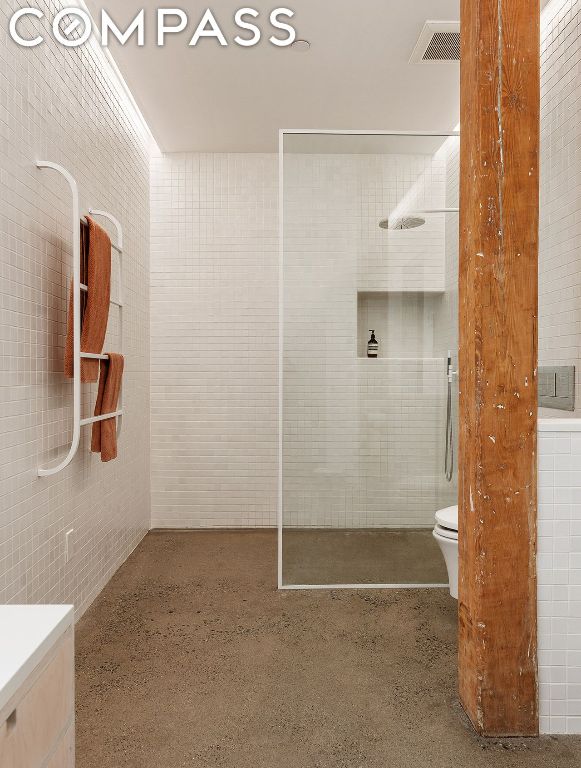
<point x="405" y="323"/>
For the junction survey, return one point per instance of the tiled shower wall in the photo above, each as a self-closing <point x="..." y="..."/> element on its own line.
<point x="214" y="299"/>
<point x="448" y="318"/>
<point x="384" y="186"/>
<point x="362" y="437"/>
<point x="65" y="105"/>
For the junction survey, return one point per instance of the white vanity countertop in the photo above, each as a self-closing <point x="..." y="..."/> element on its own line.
<point x="27" y="632"/>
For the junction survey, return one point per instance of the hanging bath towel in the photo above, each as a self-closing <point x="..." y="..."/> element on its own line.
<point x="96" y="274"/>
<point x="104" y="436"/>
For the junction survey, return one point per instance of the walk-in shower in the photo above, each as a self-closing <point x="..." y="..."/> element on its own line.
<point x="365" y="442"/>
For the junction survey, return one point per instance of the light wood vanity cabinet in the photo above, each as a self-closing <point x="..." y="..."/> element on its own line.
<point x="37" y="710"/>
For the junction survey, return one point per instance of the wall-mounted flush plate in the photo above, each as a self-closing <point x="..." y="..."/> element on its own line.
<point x="557" y="387"/>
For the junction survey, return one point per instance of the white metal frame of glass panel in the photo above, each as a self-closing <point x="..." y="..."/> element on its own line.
<point x="282" y="133"/>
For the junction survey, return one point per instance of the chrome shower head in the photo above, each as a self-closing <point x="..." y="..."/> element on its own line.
<point x="405" y="222"/>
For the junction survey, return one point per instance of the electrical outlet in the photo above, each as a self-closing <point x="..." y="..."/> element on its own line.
<point x="69" y="544"/>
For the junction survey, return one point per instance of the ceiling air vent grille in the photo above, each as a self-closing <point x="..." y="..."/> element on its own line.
<point x="444" y="46"/>
<point x="439" y="41"/>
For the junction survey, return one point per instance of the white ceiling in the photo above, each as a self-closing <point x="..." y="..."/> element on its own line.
<point x="356" y="75"/>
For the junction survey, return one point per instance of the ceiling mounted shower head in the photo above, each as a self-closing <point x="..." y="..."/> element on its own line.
<point x="404" y="222"/>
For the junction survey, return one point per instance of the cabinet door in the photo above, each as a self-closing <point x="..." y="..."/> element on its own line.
<point x="43" y="713"/>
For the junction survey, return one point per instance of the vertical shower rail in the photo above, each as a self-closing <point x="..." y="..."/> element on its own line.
<point x="79" y="287"/>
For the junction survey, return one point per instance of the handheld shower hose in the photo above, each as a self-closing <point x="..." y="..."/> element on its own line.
<point x="449" y="455"/>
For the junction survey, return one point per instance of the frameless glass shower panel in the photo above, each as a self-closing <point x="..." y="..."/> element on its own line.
<point x="367" y="248"/>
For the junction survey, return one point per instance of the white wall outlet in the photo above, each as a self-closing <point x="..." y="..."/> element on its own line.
<point x="69" y="542"/>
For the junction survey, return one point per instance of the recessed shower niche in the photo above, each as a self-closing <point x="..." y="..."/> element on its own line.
<point x="405" y="323"/>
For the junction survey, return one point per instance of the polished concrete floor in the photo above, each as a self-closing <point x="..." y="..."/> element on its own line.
<point x="191" y="657"/>
<point x="362" y="556"/>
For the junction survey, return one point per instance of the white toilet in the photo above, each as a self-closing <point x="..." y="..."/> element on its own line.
<point x="446" y="534"/>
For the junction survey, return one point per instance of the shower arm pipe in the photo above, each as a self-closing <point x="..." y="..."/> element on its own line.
<point x="433" y="210"/>
<point x="77" y="287"/>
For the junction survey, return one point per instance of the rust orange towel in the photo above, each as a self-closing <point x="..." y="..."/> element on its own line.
<point x="104" y="437"/>
<point x="96" y="274"/>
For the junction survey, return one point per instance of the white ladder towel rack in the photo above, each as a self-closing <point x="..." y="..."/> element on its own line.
<point x="76" y="219"/>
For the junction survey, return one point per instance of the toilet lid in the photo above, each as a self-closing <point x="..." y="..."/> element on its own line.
<point x="448" y="517"/>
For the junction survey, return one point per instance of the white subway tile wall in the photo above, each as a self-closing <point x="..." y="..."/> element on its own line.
<point x="559" y="511"/>
<point x="559" y="581"/>
<point x="214" y="335"/>
<point x="66" y="105"/>
<point x="560" y="219"/>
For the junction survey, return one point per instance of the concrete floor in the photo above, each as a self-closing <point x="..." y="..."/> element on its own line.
<point x="362" y="556"/>
<point x="191" y="657"/>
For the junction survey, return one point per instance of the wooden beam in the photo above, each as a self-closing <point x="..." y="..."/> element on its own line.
<point x="498" y="359"/>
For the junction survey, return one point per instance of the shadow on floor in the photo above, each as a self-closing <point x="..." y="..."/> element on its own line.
<point x="191" y="657"/>
<point x="362" y="556"/>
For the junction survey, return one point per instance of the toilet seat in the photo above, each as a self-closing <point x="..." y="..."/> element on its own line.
<point x="445" y="533"/>
<point x="448" y="518"/>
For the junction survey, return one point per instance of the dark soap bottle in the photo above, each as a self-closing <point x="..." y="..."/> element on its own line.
<point x="372" y="346"/>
